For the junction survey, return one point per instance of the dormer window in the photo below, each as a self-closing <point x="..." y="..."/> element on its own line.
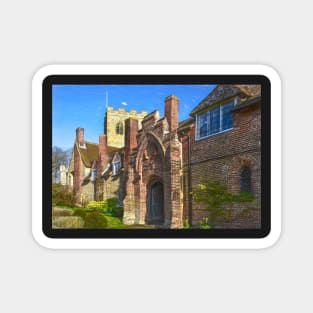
<point x="93" y="174"/>
<point x="216" y="120"/>
<point x="119" y="128"/>
<point x="116" y="164"/>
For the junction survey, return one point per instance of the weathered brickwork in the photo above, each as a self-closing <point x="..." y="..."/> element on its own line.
<point x="221" y="157"/>
<point x="87" y="155"/>
<point x="153" y="185"/>
<point x="162" y="161"/>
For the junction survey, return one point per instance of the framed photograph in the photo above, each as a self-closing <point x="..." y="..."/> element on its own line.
<point x="156" y="156"/>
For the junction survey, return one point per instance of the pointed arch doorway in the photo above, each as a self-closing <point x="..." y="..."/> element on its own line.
<point x="155" y="204"/>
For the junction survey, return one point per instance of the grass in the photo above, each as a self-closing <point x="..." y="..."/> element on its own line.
<point x="114" y="222"/>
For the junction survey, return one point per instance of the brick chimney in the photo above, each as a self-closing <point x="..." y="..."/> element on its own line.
<point x="171" y="111"/>
<point x="78" y="165"/>
<point x="131" y="131"/>
<point x="80" y="137"/>
<point x="103" y="153"/>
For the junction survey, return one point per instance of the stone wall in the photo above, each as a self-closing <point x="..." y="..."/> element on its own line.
<point x="113" y="118"/>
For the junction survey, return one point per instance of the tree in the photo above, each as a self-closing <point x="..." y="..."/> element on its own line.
<point x="218" y="200"/>
<point x="59" y="157"/>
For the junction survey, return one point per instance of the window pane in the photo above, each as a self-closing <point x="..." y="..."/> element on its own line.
<point x="203" y="125"/>
<point x="227" y="115"/>
<point x="215" y="120"/>
<point x="245" y="180"/>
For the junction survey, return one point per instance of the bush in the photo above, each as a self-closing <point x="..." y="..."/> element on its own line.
<point x="112" y="203"/>
<point x="97" y="205"/>
<point x="117" y="211"/>
<point x="219" y="201"/>
<point x="80" y="212"/>
<point x="186" y="224"/>
<point x="95" y="220"/>
<point x="204" y="223"/>
<point x="106" y="206"/>
<point x="62" y="195"/>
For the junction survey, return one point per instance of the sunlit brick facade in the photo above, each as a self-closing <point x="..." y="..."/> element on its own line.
<point x="161" y="159"/>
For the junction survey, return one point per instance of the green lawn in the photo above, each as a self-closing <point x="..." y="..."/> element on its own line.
<point x="115" y="222"/>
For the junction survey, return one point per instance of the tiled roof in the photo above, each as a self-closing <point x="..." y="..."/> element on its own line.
<point x="221" y="92"/>
<point x="186" y="122"/>
<point x="248" y="103"/>
<point x="89" y="153"/>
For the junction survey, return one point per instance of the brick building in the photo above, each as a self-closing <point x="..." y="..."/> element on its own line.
<point x="153" y="169"/>
<point x="162" y="160"/>
<point x="224" y="134"/>
<point x="95" y="168"/>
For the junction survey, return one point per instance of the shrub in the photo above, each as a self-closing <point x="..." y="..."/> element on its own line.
<point x="106" y="206"/>
<point x="112" y="203"/>
<point x="95" y="220"/>
<point x="186" y="224"/>
<point x="80" y="212"/>
<point x="62" y="195"/>
<point x="117" y="211"/>
<point x="97" y="205"/>
<point x="204" y="223"/>
<point x="219" y="201"/>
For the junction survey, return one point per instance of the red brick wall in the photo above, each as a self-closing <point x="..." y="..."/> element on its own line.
<point x="103" y="154"/>
<point x="149" y="163"/>
<point x="221" y="157"/>
<point x="131" y="131"/>
<point x="80" y="136"/>
<point x="78" y="174"/>
<point x="171" y="112"/>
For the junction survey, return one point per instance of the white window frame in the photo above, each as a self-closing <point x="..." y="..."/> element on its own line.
<point x="208" y="118"/>
<point x="116" y="166"/>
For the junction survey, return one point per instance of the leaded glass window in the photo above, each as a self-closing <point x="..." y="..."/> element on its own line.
<point x="227" y="115"/>
<point x="216" y="120"/>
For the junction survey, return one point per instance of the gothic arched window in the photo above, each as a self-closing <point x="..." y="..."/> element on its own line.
<point x="245" y="179"/>
<point x="119" y="128"/>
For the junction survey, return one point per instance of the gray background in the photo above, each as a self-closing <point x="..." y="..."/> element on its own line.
<point x="35" y="33"/>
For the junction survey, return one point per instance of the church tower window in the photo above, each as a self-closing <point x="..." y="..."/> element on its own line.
<point x="119" y="128"/>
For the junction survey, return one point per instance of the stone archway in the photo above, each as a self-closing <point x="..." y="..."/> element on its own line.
<point x="155" y="203"/>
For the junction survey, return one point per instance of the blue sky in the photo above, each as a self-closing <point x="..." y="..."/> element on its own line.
<point x="85" y="105"/>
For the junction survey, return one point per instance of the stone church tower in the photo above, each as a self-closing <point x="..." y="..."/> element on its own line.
<point x="114" y="124"/>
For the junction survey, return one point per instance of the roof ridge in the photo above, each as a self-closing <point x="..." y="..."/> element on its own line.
<point x="219" y="93"/>
<point x="92" y="143"/>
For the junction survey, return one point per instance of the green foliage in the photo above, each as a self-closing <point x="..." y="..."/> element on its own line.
<point x="95" y="220"/>
<point x="186" y="224"/>
<point x="97" y="205"/>
<point x="117" y="211"/>
<point x="106" y="206"/>
<point x="218" y="200"/>
<point x="112" y="203"/>
<point x="80" y="212"/>
<point x="204" y="223"/>
<point x="62" y="195"/>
